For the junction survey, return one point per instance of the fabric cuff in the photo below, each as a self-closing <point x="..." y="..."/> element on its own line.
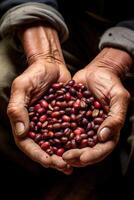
<point x="29" y="13"/>
<point x="118" y="37"/>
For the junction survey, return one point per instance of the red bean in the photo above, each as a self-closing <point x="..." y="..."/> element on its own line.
<point x="50" y="151"/>
<point x="32" y="135"/>
<point x="64" y="139"/>
<point x="84" y="143"/>
<point x="38" y="137"/>
<point x="67" y="96"/>
<point x="98" y="120"/>
<point x="73" y="144"/>
<point x="97" y="105"/>
<point x="37" y="106"/>
<point x="60" y="152"/>
<point x="65" y="125"/>
<point x="57" y="85"/>
<point x="68" y="145"/>
<point x="43" y="118"/>
<point x="84" y="136"/>
<point x="91" y="133"/>
<point x="55" y="114"/>
<point x="67" y="131"/>
<point x="41" y="110"/>
<point x="35" y="119"/>
<point x="78" y="138"/>
<point x="71" y="82"/>
<point x="45" y="145"/>
<point x="43" y="103"/>
<point x="87" y="93"/>
<point x="65" y="117"/>
<point x="73" y="125"/>
<point x="59" y="134"/>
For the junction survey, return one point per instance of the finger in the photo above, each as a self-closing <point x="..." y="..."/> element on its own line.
<point x="97" y="153"/>
<point x="65" y="75"/>
<point x="80" y="77"/>
<point x="17" y="111"/>
<point x="73" y="157"/>
<point x="33" y="151"/>
<point x="116" y="116"/>
<point x="58" y="162"/>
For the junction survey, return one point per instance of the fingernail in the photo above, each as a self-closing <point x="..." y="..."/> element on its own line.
<point x="104" y="134"/>
<point x="19" y="128"/>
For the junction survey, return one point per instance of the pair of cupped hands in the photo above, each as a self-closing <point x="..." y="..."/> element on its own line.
<point x="46" y="66"/>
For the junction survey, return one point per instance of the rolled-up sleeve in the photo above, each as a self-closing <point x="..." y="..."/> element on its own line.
<point x="21" y="14"/>
<point x="120" y="36"/>
<point x="5" y="5"/>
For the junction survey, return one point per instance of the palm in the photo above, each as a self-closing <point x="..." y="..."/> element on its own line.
<point x="26" y="89"/>
<point x="38" y="78"/>
<point x="109" y="90"/>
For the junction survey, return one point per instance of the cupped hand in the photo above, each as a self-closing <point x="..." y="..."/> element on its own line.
<point x="26" y="89"/>
<point x="43" y="70"/>
<point x="102" y="77"/>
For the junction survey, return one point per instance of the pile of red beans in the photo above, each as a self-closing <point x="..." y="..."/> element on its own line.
<point x="66" y="117"/>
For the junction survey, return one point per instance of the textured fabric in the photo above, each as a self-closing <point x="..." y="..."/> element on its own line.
<point x="5" y="5"/>
<point x="118" y="37"/>
<point x="29" y="13"/>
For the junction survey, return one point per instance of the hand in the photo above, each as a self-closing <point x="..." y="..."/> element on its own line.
<point x="45" y="67"/>
<point x="102" y="77"/>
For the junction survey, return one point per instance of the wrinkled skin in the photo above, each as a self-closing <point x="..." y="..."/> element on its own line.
<point x="101" y="76"/>
<point x="45" y="66"/>
<point x="43" y="70"/>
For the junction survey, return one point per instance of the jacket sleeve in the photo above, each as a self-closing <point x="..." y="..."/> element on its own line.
<point x="120" y="36"/>
<point x="7" y="4"/>
<point x="18" y="13"/>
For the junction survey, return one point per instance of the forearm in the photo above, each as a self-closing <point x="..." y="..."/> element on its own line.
<point x="29" y="13"/>
<point x="41" y="43"/>
<point x="116" y="60"/>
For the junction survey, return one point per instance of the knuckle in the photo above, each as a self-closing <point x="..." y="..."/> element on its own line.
<point x="16" y="81"/>
<point x="19" y="82"/>
<point x="12" y="110"/>
<point x="128" y="96"/>
<point x="124" y="94"/>
<point x="35" y="155"/>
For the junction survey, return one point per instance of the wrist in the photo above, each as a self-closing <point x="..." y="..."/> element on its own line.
<point x="41" y="43"/>
<point x="116" y="60"/>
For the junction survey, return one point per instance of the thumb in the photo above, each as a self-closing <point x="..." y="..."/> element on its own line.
<point x="113" y="123"/>
<point x="18" y="113"/>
